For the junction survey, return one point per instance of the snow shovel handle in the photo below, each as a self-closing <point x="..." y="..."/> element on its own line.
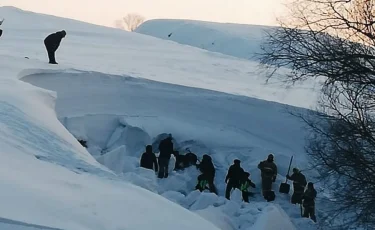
<point x="290" y="163"/>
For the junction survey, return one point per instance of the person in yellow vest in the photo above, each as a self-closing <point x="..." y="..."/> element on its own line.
<point x="245" y="183"/>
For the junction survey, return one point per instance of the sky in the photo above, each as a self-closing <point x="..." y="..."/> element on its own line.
<point x="106" y="12"/>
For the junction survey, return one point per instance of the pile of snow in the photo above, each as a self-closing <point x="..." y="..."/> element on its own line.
<point x="273" y="218"/>
<point x="104" y="92"/>
<point x="238" y="40"/>
<point x="200" y="120"/>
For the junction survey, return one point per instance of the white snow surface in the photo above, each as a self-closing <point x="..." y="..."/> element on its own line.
<point x="120" y="91"/>
<point x="238" y="40"/>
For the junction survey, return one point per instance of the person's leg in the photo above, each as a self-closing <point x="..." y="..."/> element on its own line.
<point x="312" y="213"/>
<point x="161" y="168"/>
<point x="51" y="56"/>
<point x="228" y="189"/>
<point x="306" y="212"/>
<point x="211" y="184"/>
<point x="266" y="185"/>
<point x="166" y="165"/>
<point x="51" y="53"/>
<point x="245" y="196"/>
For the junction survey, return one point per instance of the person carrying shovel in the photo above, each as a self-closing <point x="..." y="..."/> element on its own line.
<point x="299" y="184"/>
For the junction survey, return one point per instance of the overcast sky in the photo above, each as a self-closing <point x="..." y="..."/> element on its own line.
<point x="105" y="12"/>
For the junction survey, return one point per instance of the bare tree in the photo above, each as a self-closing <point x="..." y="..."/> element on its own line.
<point x="333" y="41"/>
<point x="130" y="22"/>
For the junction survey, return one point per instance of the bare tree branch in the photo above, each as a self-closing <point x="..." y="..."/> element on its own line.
<point x="334" y="41"/>
<point x="130" y="22"/>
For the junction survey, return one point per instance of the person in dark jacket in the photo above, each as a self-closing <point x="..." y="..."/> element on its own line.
<point x="166" y="150"/>
<point x="245" y="183"/>
<point x="233" y="177"/>
<point x="207" y="168"/>
<point x="268" y="173"/>
<point x="299" y="184"/>
<point x="1" y="31"/>
<point x="148" y="159"/>
<point x="308" y="203"/>
<point x="190" y="159"/>
<point x="52" y="43"/>
<point x="179" y="165"/>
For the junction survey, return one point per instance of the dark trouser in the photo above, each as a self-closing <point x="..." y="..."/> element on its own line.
<point x="245" y="196"/>
<point x="211" y="184"/>
<point x="231" y="185"/>
<point x="297" y="197"/>
<point x="309" y="212"/>
<point x="266" y="184"/>
<point x="51" y="53"/>
<point x="163" y="167"/>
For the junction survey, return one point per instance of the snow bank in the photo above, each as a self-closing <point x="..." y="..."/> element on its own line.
<point x="7" y="224"/>
<point x="16" y="18"/>
<point x="48" y="178"/>
<point x="217" y="217"/>
<point x="273" y="218"/>
<point x="202" y="121"/>
<point x="242" y="41"/>
<point x="119" y="52"/>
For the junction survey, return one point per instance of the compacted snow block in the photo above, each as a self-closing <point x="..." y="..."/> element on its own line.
<point x="217" y="217"/>
<point x="204" y="200"/>
<point x="273" y="218"/>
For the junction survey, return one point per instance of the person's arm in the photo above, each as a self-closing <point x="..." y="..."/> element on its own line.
<point x="275" y="170"/>
<point x="156" y="164"/>
<point x="141" y="163"/>
<point x="252" y="184"/>
<point x="292" y="177"/>
<point x="229" y="174"/>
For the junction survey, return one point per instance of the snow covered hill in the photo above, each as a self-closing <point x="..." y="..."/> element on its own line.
<point x="238" y="40"/>
<point x="120" y="91"/>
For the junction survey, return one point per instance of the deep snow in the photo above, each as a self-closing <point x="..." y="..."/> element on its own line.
<point x="138" y="110"/>
<point x="106" y="95"/>
<point x="238" y="40"/>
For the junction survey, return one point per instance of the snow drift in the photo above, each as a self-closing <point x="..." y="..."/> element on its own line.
<point x="120" y="91"/>
<point x="198" y="121"/>
<point x="238" y="40"/>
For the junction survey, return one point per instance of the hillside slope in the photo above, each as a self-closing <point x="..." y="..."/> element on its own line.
<point x="121" y="91"/>
<point x="118" y="52"/>
<point x="238" y="40"/>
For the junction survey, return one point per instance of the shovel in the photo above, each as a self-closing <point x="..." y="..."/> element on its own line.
<point x="285" y="187"/>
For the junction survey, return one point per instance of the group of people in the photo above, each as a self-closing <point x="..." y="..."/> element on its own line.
<point x="306" y="198"/>
<point x="236" y="178"/>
